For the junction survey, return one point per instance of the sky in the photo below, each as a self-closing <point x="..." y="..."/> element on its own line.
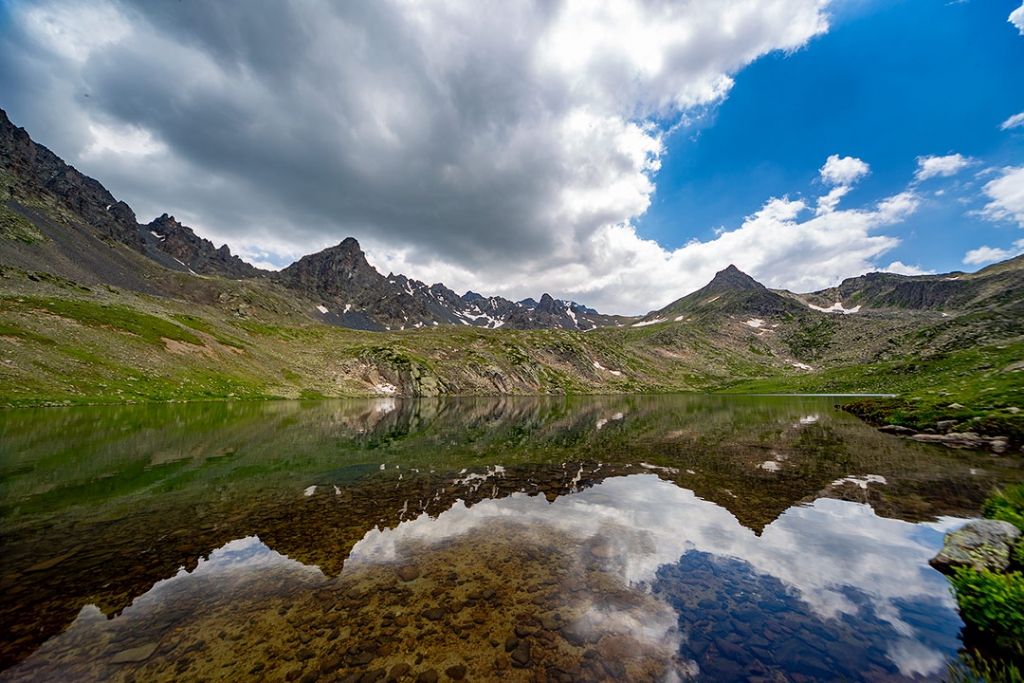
<point x="617" y="154"/>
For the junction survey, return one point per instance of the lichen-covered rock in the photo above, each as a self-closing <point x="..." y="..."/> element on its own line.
<point x="982" y="544"/>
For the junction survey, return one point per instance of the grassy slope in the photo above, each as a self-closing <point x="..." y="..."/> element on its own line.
<point x="64" y="343"/>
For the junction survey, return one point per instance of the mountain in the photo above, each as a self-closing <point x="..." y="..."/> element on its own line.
<point x="96" y="308"/>
<point x="999" y="285"/>
<point x="65" y="224"/>
<point x="730" y="292"/>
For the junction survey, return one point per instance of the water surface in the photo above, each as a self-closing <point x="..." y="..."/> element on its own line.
<point x="557" y="539"/>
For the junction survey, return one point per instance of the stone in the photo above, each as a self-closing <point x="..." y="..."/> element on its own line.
<point x="372" y="676"/>
<point x="899" y="430"/>
<point x="304" y="654"/>
<point x="981" y="544"/>
<point x="331" y="663"/>
<point x="457" y="672"/>
<point x="521" y="655"/>
<point x="398" y="670"/>
<point x="945" y="425"/>
<point x="408" y="573"/>
<point x="954" y="439"/>
<point x="135" y="654"/>
<point x="428" y="676"/>
<point x="434" y="614"/>
<point x="310" y="677"/>
<point x="549" y="623"/>
<point x="511" y="643"/>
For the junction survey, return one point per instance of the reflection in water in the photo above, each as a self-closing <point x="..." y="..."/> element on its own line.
<point x="599" y="583"/>
<point x="619" y="538"/>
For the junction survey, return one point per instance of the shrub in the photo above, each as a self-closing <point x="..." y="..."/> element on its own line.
<point x="993" y="603"/>
<point x="1007" y="505"/>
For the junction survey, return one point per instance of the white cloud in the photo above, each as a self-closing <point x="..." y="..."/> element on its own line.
<point x="901" y="268"/>
<point x="1007" y="196"/>
<point x="986" y="254"/>
<point x="783" y="245"/>
<point x="1015" y="121"/>
<point x="932" y="166"/>
<point x="843" y="171"/>
<point x="1017" y="19"/>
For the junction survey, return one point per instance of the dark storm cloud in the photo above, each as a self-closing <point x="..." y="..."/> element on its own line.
<point x="489" y="142"/>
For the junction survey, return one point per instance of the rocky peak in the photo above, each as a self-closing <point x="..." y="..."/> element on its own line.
<point x="195" y="252"/>
<point x="335" y="271"/>
<point x="548" y="305"/>
<point x="36" y="172"/>
<point x="733" y="279"/>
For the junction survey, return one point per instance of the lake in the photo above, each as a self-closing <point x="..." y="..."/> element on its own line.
<point x="628" y="538"/>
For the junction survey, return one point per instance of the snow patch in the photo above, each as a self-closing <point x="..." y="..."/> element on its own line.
<point x="322" y="309"/>
<point x="348" y="307"/>
<point x="474" y="480"/>
<point x="754" y="322"/>
<point x="603" y="421"/>
<point x="861" y="481"/>
<point x="386" y="388"/>
<point x="802" y="366"/>
<point x="613" y="372"/>
<point x="310" y="490"/>
<point x="837" y="307"/>
<point x="678" y="318"/>
<point x="808" y="419"/>
<point x="668" y="470"/>
<point x="649" y="322"/>
<point x="770" y="466"/>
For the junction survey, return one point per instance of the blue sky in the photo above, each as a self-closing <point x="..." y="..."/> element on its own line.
<point x="889" y="82"/>
<point x="615" y="153"/>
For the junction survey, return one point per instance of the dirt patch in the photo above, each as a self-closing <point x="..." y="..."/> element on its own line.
<point x="180" y="348"/>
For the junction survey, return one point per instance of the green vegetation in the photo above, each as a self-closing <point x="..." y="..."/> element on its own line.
<point x="992" y="603"/>
<point x="14" y="227"/>
<point x="1008" y="506"/>
<point x="122" y="318"/>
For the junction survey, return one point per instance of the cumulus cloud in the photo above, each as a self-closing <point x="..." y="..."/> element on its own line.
<point x="843" y="171"/>
<point x="1017" y="18"/>
<point x="986" y="254"/>
<point x="507" y="149"/>
<point x="1015" y="121"/>
<point x="785" y="244"/>
<point x="901" y="268"/>
<point x="932" y="166"/>
<point x="1006" y="194"/>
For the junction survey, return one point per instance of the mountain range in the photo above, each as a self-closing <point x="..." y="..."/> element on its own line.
<point x="339" y="286"/>
<point x="162" y="313"/>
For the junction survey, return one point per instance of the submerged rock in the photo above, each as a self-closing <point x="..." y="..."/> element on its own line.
<point x="135" y="654"/>
<point x="982" y="544"/>
<point x="998" y="444"/>
<point x="899" y="430"/>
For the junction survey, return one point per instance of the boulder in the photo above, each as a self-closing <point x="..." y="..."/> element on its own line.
<point x="982" y="544"/>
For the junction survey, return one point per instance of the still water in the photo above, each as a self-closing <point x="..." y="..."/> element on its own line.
<point x="526" y="539"/>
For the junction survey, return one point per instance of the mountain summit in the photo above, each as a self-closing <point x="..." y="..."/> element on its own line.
<point x="732" y="279"/>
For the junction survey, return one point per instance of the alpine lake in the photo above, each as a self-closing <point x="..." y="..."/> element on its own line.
<point x="626" y="538"/>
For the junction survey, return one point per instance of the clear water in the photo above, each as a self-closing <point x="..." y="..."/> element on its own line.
<point x="582" y="539"/>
